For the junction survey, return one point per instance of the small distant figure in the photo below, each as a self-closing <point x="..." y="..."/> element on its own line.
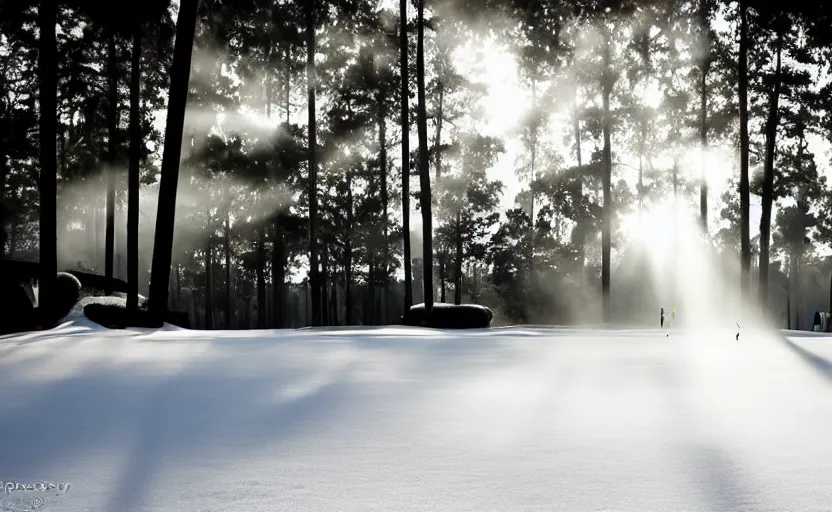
<point x="661" y="323"/>
<point x="738" y="333"/>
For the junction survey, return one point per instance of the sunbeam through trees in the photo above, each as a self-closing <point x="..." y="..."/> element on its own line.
<point x="287" y="163"/>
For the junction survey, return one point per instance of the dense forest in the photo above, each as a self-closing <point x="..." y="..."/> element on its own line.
<point x="283" y="163"/>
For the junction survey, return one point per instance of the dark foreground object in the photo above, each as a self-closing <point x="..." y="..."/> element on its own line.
<point x="21" y="271"/>
<point x="822" y="322"/>
<point x="19" y="314"/>
<point x="449" y="316"/>
<point x="67" y="294"/>
<point x="118" y="317"/>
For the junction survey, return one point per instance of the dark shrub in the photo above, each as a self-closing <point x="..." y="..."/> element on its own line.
<point x="179" y="319"/>
<point x="449" y="316"/>
<point x="116" y="316"/>
<point x="17" y="313"/>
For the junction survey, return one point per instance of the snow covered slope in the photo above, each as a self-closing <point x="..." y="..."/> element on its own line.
<point x="391" y="419"/>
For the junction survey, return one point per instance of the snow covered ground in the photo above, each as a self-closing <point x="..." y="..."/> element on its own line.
<point x="395" y="419"/>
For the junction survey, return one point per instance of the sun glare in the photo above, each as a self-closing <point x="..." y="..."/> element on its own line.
<point x="651" y="94"/>
<point x="506" y="100"/>
<point x="681" y="268"/>
<point x="653" y="229"/>
<point x="718" y="166"/>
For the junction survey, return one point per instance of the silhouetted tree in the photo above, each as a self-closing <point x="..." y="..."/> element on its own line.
<point x="165" y="215"/>
<point x="47" y="99"/>
<point x="424" y="172"/>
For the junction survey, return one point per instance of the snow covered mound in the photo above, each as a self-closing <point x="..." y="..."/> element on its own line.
<point x="77" y="311"/>
<point x="76" y="316"/>
<point x="398" y="419"/>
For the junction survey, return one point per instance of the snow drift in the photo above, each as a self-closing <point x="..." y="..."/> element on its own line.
<point x="398" y="419"/>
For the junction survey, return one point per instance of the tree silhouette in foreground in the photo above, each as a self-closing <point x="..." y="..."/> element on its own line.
<point x="166" y="210"/>
<point x="424" y="172"/>
<point x="47" y="76"/>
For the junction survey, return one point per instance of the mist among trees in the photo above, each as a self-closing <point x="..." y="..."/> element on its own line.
<point x="283" y="163"/>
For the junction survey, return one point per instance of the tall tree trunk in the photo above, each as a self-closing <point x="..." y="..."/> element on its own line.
<point x="348" y="254"/>
<point x="405" y="122"/>
<point x="533" y="152"/>
<point x="348" y="294"/>
<point x="48" y="99"/>
<point x="171" y="305"/>
<point x="179" y="287"/>
<point x="89" y="228"/>
<point x="365" y="306"/>
<point x="674" y="242"/>
<point x="675" y="180"/>
<point x="745" y="254"/>
<point x="443" y="262"/>
<point x="209" y="286"/>
<point x="314" y="278"/>
<point x="371" y="289"/>
<point x="333" y="303"/>
<point x="458" y="270"/>
<point x="792" y="284"/>
<point x="178" y="95"/>
<point x="424" y="172"/>
<point x="267" y="81"/>
<point x="96" y="223"/>
<point x="4" y="132"/>
<point x="471" y="270"/>
<point x="382" y="135"/>
<point x="646" y="68"/>
<point x="112" y="148"/>
<point x="278" y="272"/>
<point x="133" y="184"/>
<point x="261" y="278"/>
<point x="641" y="180"/>
<point x="443" y="251"/>
<point x="324" y="275"/>
<point x="3" y="173"/>
<point x="263" y="316"/>
<point x="768" y="177"/>
<point x="644" y="51"/>
<point x="279" y="254"/>
<point x="307" y="305"/>
<point x="247" y="314"/>
<point x="287" y="82"/>
<point x="576" y="127"/>
<point x="229" y="309"/>
<point x="437" y="139"/>
<point x="703" y="121"/>
<point x="277" y="241"/>
<point x="606" y="228"/>
<point x="796" y="251"/>
<point x="62" y="152"/>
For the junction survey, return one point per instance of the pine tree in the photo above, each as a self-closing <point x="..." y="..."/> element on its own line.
<point x="163" y="240"/>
